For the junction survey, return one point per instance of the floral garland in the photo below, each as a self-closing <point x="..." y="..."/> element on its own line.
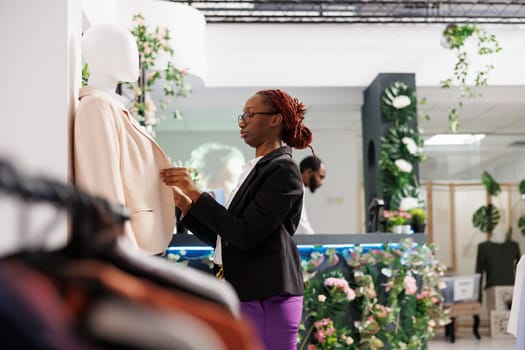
<point x="401" y="149"/>
<point x="384" y="299"/>
<point x="150" y="45"/>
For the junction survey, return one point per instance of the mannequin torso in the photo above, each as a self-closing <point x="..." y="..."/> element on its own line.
<point x="114" y="157"/>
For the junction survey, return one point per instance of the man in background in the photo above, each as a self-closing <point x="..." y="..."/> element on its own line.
<point x="313" y="172"/>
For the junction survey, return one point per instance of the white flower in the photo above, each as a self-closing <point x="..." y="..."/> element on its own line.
<point x="410" y="145"/>
<point x="349" y="341"/>
<point x="400" y="102"/>
<point x="408" y="203"/>
<point x="321" y="298"/>
<point x="386" y="272"/>
<point x="403" y="165"/>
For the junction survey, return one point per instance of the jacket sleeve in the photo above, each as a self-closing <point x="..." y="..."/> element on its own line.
<point x="199" y="229"/>
<point x="97" y="153"/>
<point x="270" y="205"/>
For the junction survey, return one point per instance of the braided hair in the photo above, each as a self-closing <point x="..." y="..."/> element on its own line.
<point x="295" y="134"/>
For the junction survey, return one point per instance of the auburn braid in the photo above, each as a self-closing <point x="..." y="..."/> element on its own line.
<point x="295" y="133"/>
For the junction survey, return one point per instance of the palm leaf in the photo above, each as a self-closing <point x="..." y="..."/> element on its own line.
<point x="390" y="112"/>
<point x="521" y="224"/>
<point x="486" y="218"/>
<point x="490" y="184"/>
<point x="406" y="191"/>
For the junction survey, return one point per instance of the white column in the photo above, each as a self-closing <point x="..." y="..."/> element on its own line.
<point x="40" y="68"/>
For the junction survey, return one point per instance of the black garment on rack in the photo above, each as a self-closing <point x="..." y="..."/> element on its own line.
<point x="498" y="262"/>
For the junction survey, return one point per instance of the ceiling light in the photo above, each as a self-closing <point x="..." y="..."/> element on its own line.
<point x="453" y="139"/>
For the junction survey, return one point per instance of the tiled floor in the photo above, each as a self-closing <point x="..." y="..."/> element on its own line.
<point x="466" y="341"/>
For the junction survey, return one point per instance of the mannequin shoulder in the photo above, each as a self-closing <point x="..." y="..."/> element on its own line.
<point x="96" y="107"/>
<point x="94" y="100"/>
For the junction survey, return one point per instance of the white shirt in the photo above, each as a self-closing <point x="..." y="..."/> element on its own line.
<point x="304" y="224"/>
<point x="517" y="303"/>
<point x="246" y="170"/>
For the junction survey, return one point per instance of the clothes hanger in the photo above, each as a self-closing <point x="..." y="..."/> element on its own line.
<point x="96" y="226"/>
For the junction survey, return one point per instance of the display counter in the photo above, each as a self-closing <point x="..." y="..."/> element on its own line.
<point x="188" y="249"/>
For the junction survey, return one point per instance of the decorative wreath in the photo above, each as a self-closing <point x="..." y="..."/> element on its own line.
<point x="399" y="103"/>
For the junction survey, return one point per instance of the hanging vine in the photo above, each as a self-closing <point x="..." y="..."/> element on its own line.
<point x="454" y="38"/>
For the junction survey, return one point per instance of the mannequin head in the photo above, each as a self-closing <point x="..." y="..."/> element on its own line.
<point x="111" y="54"/>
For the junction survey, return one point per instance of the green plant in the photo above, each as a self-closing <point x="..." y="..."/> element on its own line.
<point x="151" y="44"/>
<point x="399" y="103"/>
<point x="418" y="216"/>
<point x="490" y="184"/>
<point x="522" y="187"/>
<point x="85" y="74"/>
<point x="521" y="224"/>
<point x="455" y="36"/>
<point x="401" y="148"/>
<point x="486" y="218"/>
<point x="388" y="299"/>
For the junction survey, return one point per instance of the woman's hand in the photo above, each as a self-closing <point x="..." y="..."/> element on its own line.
<point x="180" y="177"/>
<point x="182" y="201"/>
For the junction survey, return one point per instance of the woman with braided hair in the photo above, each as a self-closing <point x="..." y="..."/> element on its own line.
<point x="254" y="250"/>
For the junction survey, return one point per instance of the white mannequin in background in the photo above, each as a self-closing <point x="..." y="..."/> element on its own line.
<point x="114" y="156"/>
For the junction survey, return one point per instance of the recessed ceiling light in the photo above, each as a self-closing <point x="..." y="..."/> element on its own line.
<point x="453" y="139"/>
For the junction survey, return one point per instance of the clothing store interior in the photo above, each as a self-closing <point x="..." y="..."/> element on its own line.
<point x="262" y="174"/>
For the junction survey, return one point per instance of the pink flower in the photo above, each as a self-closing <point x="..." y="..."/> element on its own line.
<point x="320" y="336"/>
<point x="323" y="322"/>
<point x="311" y="347"/>
<point x="410" y="285"/>
<point x="341" y="284"/>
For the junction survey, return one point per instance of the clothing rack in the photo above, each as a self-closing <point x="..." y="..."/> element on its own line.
<point x="41" y="189"/>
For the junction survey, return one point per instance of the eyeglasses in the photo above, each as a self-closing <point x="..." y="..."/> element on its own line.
<point x="247" y="116"/>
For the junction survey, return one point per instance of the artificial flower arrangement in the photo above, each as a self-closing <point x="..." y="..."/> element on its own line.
<point x="380" y="299"/>
<point x="401" y="150"/>
<point x="396" y="218"/>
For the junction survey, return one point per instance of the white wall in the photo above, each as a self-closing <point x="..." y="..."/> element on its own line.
<point x="40" y="67"/>
<point x="334" y="207"/>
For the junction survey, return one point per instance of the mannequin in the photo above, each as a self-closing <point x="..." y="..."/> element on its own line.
<point x="497" y="258"/>
<point x="114" y="157"/>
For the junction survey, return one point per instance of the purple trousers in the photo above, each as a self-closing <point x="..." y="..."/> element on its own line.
<point x="276" y="319"/>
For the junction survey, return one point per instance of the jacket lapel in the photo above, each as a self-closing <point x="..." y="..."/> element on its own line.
<point x="241" y="195"/>
<point x="137" y="126"/>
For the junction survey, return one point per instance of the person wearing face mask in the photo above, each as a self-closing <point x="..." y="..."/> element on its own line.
<point x="313" y="172"/>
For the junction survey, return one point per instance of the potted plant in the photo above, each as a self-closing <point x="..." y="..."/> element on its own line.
<point x="418" y="220"/>
<point x="398" y="221"/>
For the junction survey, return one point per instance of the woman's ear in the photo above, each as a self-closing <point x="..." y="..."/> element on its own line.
<point x="276" y="120"/>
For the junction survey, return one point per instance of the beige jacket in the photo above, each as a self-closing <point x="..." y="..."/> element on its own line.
<point x="116" y="159"/>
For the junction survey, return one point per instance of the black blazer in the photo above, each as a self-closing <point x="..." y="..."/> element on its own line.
<point x="259" y="257"/>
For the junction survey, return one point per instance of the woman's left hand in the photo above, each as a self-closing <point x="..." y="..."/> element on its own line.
<point x="181" y="178"/>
